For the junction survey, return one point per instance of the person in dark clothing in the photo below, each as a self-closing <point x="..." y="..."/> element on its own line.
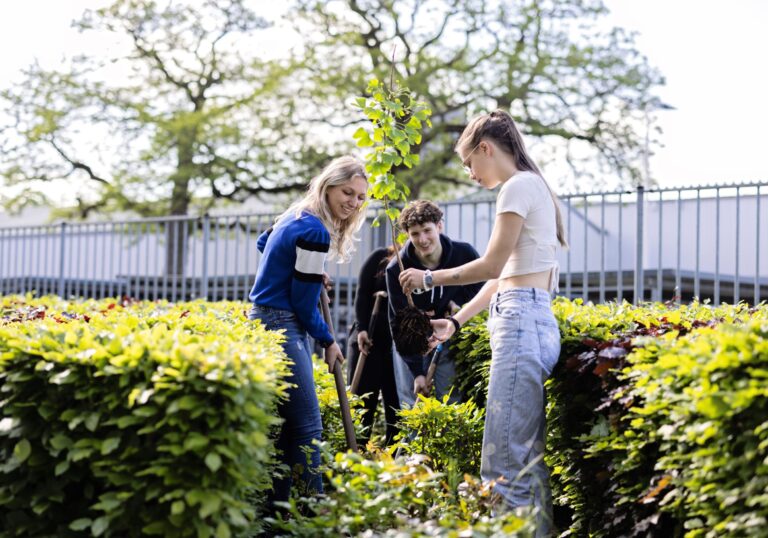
<point x="378" y="375"/>
<point x="427" y="249"/>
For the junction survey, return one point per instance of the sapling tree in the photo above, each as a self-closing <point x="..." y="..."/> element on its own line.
<point x="396" y="120"/>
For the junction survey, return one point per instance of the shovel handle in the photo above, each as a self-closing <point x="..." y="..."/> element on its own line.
<point x="346" y="416"/>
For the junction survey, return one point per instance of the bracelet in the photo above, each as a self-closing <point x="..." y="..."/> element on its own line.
<point x="456" y="324"/>
<point x="426" y="280"/>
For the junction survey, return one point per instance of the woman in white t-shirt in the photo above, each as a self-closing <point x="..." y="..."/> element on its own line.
<point x="521" y="269"/>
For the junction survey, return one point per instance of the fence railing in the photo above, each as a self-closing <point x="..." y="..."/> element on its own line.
<point x="649" y="244"/>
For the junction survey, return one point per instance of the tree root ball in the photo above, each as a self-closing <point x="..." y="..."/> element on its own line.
<point x="411" y="331"/>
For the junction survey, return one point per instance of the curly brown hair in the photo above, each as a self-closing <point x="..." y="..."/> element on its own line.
<point x="419" y="212"/>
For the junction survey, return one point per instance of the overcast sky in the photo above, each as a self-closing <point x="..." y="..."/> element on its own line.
<point x="712" y="53"/>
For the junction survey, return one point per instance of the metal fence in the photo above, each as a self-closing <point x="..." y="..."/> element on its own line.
<point x="649" y="244"/>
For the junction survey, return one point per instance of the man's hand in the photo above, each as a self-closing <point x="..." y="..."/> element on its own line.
<point x="363" y="342"/>
<point x="420" y="386"/>
<point x="331" y="355"/>
<point x="327" y="282"/>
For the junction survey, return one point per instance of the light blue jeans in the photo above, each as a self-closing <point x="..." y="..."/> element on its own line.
<point x="301" y="412"/>
<point x="445" y="372"/>
<point x="525" y="346"/>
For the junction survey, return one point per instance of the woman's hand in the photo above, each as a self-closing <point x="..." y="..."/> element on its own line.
<point x="411" y="279"/>
<point x="331" y="355"/>
<point x="363" y="342"/>
<point x="442" y="330"/>
<point x="327" y="281"/>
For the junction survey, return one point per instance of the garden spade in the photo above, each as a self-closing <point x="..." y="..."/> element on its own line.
<point x="380" y="296"/>
<point x="346" y="416"/>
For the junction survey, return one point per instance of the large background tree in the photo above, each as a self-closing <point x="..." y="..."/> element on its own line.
<point x="183" y="112"/>
<point x="574" y="84"/>
<point x="193" y="110"/>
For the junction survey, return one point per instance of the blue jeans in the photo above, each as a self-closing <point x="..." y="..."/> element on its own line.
<point x="445" y="372"/>
<point x="301" y="412"/>
<point x="525" y="346"/>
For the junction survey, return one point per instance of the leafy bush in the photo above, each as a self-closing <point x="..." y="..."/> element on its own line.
<point x="701" y="403"/>
<point x="400" y="497"/>
<point x="132" y="419"/>
<point x="612" y="470"/>
<point x="450" y="435"/>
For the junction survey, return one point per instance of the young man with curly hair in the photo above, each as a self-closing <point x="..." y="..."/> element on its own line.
<point x="428" y="249"/>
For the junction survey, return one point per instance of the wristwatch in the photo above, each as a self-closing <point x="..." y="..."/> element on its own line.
<point x="427" y="280"/>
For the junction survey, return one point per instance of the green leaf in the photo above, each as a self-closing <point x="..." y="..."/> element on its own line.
<point x="80" y="524"/>
<point x="22" y="450"/>
<point x="177" y="507"/>
<point x="210" y="503"/>
<point x="99" y="526"/>
<point x="222" y="530"/>
<point x="61" y="468"/>
<point x="213" y="461"/>
<point x="109" y="445"/>
<point x="195" y="441"/>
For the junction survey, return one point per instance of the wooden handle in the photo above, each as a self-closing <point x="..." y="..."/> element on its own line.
<point x="432" y="365"/>
<point x="341" y="390"/>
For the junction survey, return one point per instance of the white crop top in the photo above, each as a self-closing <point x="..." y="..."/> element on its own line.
<point x="528" y="195"/>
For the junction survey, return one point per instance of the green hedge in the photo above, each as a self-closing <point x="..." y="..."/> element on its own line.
<point x="642" y="419"/>
<point x="126" y="420"/>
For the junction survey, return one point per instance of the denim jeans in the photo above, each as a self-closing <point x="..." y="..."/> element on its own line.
<point x="525" y="346"/>
<point x="445" y="372"/>
<point x="301" y="412"/>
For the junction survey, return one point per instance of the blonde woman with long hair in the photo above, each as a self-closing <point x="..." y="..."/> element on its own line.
<point x="285" y="296"/>
<point x="521" y="268"/>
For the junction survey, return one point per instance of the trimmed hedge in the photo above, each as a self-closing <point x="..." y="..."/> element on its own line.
<point x="655" y="417"/>
<point x="133" y="419"/>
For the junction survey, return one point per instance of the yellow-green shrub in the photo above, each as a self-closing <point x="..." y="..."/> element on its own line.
<point x="144" y="419"/>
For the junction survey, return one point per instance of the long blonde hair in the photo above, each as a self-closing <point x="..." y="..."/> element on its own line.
<point x="501" y="128"/>
<point x="338" y="172"/>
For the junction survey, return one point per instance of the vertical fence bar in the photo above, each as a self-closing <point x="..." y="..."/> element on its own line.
<point x="176" y="262"/>
<point x="568" y="290"/>
<point x="3" y="259"/>
<point x="62" y="258"/>
<point x="217" y="234"/>
<point x="235" y="277"/>
<point x="40" y="271"/>
<point x="678" y="281"/>
<point x="90" y="240"/>
<point x="112" y="272"/>
<point x="757" y="248"/>
<point x="585" y="271"/>
<point x="184" y="258"/>
<point x="247" y="256"/>
<point x="639" y="282"/>
<point x="736" y="283"/>
<point x="659" y="276"/>
<point x="226" y="258"/>
<point x="23" y="261"/>
<point x="206" y="235"/>
<point x="602" y="248"/>
<point x="696" y="280"/>
<point x="620" y="270"/>
<point x="717" y="246"/>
